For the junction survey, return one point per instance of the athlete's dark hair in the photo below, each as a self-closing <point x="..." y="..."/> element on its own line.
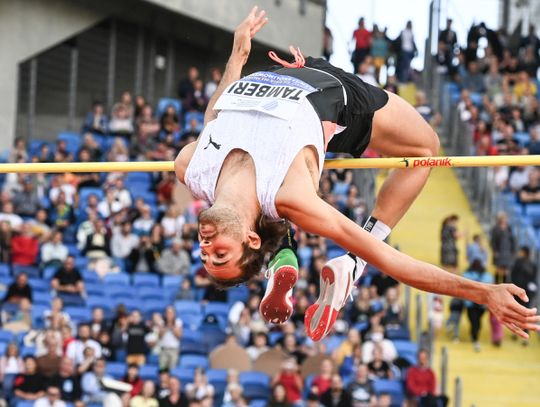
<point x="252" y="260"/>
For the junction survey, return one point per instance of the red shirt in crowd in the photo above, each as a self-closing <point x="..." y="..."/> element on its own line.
<point x="420" y="381"/>
<point x="291" y="383"/>
<point x="363" y="38"/>
<point x="24" y="250"/>
<point x="322" y="384"/>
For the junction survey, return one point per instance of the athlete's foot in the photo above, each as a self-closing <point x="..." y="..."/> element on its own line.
<point x="276" y="306"/>
<point x="337" y="280"/>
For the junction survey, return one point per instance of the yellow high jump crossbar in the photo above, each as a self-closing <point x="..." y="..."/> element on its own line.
<point x="392" y="162"/>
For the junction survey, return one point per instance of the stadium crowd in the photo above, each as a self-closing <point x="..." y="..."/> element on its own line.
<point x="494" y="81"/>
<point x="103" y="280"/>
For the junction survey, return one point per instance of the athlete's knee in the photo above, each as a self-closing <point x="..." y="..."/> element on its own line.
<point x="430" y="143"/>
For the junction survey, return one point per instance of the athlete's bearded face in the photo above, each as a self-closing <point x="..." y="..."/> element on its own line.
<point x="221" y="237"/>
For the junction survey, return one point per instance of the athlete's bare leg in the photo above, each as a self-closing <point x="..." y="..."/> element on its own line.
<point x="399" y="131"/>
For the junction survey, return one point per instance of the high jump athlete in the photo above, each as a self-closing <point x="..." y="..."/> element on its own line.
<point x="258" y="162"/>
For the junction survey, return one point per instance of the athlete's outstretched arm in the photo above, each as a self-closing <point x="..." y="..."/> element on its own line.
<point x="315" y="216"/>
<point x="239" y="55"/>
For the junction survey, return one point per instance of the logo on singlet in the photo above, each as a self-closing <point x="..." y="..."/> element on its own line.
<point x="213" y="143"/>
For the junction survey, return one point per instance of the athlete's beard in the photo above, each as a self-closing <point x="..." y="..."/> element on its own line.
<point x="224" y="219"/>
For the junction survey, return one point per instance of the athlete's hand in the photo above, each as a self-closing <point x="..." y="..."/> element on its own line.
<point x="245" y="32"/>
<point x="509" y="312"/>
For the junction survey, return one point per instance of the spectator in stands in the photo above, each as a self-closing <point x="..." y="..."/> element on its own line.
<point x="476" y="272"/>
<point x="123" y="241"/>
<point x="174" y="260"/>
<point x="196" y="101"/>
<point x="136" y="347"/>
<point x="24" y="247"/>
<point x="93" y="391"/>
<point x="118" y="151"/>
<point x="449" y="249"/>
<point x="200" y="388"/>
<point x="92" y="147"/>
<point x="27" y="386"/>
<point x="389" y="352"/>
<point x="147" y="396"/>
<point x="350" y="363"/>
<point x="533" y="146"/>
<point x="212" y="84"/>
<point x="366" y="71"/>
<point x="377" y="367"/>
<point x="48" y="365"/>
<point x="530" y="193"/>
<point x="8" y="215"/>
<point x="379" y="50"/>
<point x="473" y="80"/>
<point x="336" y="395"/>
<point x="45" y="154"/>
<point x="382" y="282"/>
<point x="476" y="250"/>
<point x="279" y="397"/>
<point x="143" y="257"/>
<point x="503" y="247"/>
<point x="5" y="241"/>
<point x="144" y="223"/>
<point x="362" y="39"/>
<point x="54" y="252"/>
<point x="259" y="346"/>
<point x="426" y="110"/>
<point x="163" y="389"/>
<point x="68" y="383"/>
<point x="519" y="178"/>
<point x="170" y="334"/>
<point x="346" y="348"/>
<point x="18" y="290"/>
<point x="448" y="38"/>
<point x="61" y="214"/>
<point x="291" y="349"/>
<point x="361" y="388"/>
<point x="169" y="121"/>
<point x="52" y="398"/>
<point x="97" y="243"/>
<point x="323" y="381"/>
<point x="132" y="377"/>
<point x="68" y="283"/>
<point x="98" y="323"/>
<point x="75" y="349"/>
<point x="407" y="51"/>
<point x="147" y="127"/>
<point x="393" y="310"/>
<point x="121" y="123"/>
<point x="185" y="291"/>
<point x="185" y="87"/>
<point x="19" y="151"/>
<point x="420" y="381"/>
<point x="11" y="363"/>
<point x="61" y="152"/>
<point x="18" y="320"/>
<point x="56" y="315"/>
<point x="176" y="397"/>
<point x="96" y="121"/>
<point x="89" y="358"/>
<point x="121" y="193"/>
<point x="290" y="378"/>
<point x="524" y="275"/>
<point x="26" y="201"/>
<point x="384" y="400"/>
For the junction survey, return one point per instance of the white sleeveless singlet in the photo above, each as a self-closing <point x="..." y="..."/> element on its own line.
<point x="272" y="142"/>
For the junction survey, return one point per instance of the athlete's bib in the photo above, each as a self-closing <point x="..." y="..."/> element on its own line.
<point x="266" y="92"/>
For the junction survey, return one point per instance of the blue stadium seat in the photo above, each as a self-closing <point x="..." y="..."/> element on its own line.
<point x="96" y="289"/>
<point x="258" y="403"/>
<point x="407" y="350"/>
<point x="392" y="387"/>
<point x="28" y="351"/>
<point x="3" y="347"/>
<point x="90" y="276"/>
<point x="39" y="284"/>
<point x="100" y="302"/>
<point x="166" y="102"/>
<point x="42" y="298"/>
<point x="217" y="308"/>
<point x="37" y="315"/>
<point x="32" y="271"/>
<point x="49" y="272"/>
<point x="398" y="333"/>
<point x="533" y="212"/>
<point x="147" y="372"/>
<point x="187" y="307"/>
<point x="147" y="196"/>
<point x="73" y="250"/>
<point x="116" y="279"/>
<point x="86" y="192"/>
<point x="185" y="375"/>
<point x="81" y="262"/>
<point x="130" y="303"/>
<point x="6" y="336"/>
<point x="193" y="361"/>
<point x="235" y="294"/>
<point x="5" y="270"/>
<point x="151" y="306"/>
<point x="332" y="342"/>
<point x="24" y="403"/>
<point x="145" y="280"/>
<point x="119" y="291"/>
<point x="6" y="281"/>
<point x="256" y="385"/>
<point x="79" y="314"/>
<point x="191" y="321"/>
<point x="146" y="292"/>
<point x="274" y="337"/>
<point x="172" y="281"/>
<point x="73" y="141"/>
<point x="144" y="177"/>
<point x="193" y="348"/>
<point x="191" y="336"/>
<point x="116" y="369"/>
